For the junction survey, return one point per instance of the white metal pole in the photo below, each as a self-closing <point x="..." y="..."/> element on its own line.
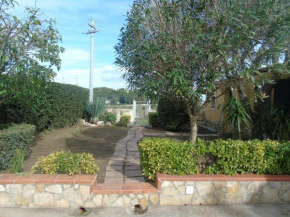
<point x="92" y="63"/>
<point x="134" y="111"/>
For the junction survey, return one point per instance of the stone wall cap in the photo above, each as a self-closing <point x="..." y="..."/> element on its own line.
<point x="47" y="179"/>
<point x="237" y="177"/>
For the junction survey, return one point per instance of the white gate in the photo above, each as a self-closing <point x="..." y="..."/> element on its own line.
<point x="140" y="112"/>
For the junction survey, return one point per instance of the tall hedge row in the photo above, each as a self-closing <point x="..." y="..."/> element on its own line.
<point x="13" y="138"/>
<point x="60" y="105"/>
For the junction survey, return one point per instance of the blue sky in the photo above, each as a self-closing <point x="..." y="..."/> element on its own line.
<point x="72" y="17"/>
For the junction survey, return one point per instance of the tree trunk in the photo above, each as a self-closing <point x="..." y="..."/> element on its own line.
<point x="193" y="129"/>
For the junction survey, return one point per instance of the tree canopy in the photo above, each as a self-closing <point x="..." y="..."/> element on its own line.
<point x="189" y="48"/>
<point x="29" y="52"/>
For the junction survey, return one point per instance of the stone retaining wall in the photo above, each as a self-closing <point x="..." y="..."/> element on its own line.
<point x="82" y="190"/>
<point x="221" y="189"/>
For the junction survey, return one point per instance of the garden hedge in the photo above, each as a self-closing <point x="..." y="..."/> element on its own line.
<point x="172" y="113"/>
<point x="153" y="119"/>
<point x="166" y="156"/>
<point x="60" y="105"/>
<point x="229" y="157"/>
<point x="15" y="137"/>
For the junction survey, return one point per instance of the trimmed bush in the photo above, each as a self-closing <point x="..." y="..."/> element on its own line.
<point x="13" y="138"/>
<point x="255" y="156"/>
<point x="172" y="113"/>
<point x="153" y="119"/>
<point x="167" y="156"/>
<point x="125" y="119"/>
<point x="110" y="117"/>
<point x="61" y="105"/>
<point x="66" y="163"/>
<point x="229" y="157"/>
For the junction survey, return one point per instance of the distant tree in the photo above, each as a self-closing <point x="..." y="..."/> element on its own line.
<point x="185" y="49"/>
<point x="29" y="49"/>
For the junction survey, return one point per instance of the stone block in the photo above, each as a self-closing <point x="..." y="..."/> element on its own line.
<point x="186" y="199"/>
<point x="276" y="185"/>
<point x="270" y="195"/>
<point x="126" y="200"/>
<point x="21" y="201"/>
<point x="255" y="187"/>
<point x="220" y="186"/>
<point x="204" y="188"/>
<point x="169" y="192"/>
<point x="285" y="186"/>
<point x="119" y="202"/>
<point x="85" y="191"/>
<point x="70" y="194"/>
<point x="170" y="201"/>
<point x="98" y="200"/>
<point x="2" y="188"/>
<point x="153" y="199"/>
<point x="39" y="188"/>
<point x="56" y="189"/>
<point x="210" y="199"/>
<point x="44" y="200"/>
<point x="89" y="204"/>
<point x="197" y="201"/>
<point x="232" y="187"/>
<point x="62" y="203"/>
<point x="14" y="188"/>
<point x="4" y="199"/>
<point x="29" y="191"/>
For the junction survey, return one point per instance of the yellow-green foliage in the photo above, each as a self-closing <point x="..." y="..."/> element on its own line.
<point x="167" y="156"/>
<point x="254" y="156"/>
<point x="125" y="119"/>
<point x="230" y="157"/>
<point x="66" y="163"/>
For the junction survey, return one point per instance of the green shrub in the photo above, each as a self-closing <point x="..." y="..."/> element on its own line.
<point x="110" y="117"/>
<point x="66" y="163"/>
<point x="254" y="156"/>
<point x="61" y="105"/>
<point x="167" y="156"/>
<point x="125" y="119"/>
<point x="172" y="114"/>
<point x="153" y="119"/>
<point x="229" y="157"/>
<point x="12" y="139"/>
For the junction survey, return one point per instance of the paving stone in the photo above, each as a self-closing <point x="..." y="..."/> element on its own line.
<point x="114" y="174"/>
<point x="129" y="163"/>
<point x="134" y="179"/>
<point x="133" y="173"/>
<point x="114" y="180"/>
<point x="134" y="167"/>
<point x="113" y="167"/>
<point x="116" y="162"/>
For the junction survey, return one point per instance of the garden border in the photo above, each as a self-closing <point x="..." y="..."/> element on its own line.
<point x="43" y="190"/>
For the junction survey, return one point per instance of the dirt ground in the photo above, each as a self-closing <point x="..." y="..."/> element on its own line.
<point x="179" y="136"/>
<point x="99" y="141"/>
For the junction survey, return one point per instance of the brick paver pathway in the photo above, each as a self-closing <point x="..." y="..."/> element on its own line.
<point x="124" y="166"/>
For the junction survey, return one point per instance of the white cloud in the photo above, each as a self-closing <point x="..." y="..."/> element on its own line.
<point x="107" y="76"/>
<point x="73" y="56"/>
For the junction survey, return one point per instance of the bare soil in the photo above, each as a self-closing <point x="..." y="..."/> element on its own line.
<point x="99" y="141"/>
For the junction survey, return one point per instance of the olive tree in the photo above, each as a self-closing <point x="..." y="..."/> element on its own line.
<point x="189" y="49"/>
<point x="29" y="51"/>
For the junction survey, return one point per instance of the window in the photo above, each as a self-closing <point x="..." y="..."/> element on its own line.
<point x="213" y="102"/>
